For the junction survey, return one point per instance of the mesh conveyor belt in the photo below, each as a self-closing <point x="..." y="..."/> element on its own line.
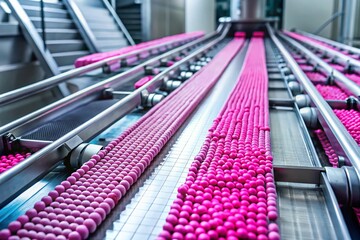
<point x="287" y="142"/>
<point x="143" y="216"/>
<point x="64" y="124"/>
<point x="303" y="213"/>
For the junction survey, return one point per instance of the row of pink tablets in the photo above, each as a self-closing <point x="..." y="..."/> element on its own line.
<point x="229" y="191"/>
<point x="76" y="207"/>
<point x="96" y="57"/>
<point x="8" y="161"/>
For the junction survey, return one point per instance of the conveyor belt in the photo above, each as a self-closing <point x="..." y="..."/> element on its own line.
<point x="60" y="126"/>
<point x="303" y="213"/>
<point x="143" y="213"/>
<point x="287" y="142"/>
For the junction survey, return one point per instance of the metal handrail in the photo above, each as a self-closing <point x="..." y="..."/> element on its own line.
<point x="331" y="42"/>
<point x="340" y="79"/>
<point x="96" y="88"/>
<point x="326" y="115"/>
<point x="62" y="146"/>
<point x="31" y="89"/>
<point x="119" y="22"/>
<point x="82" y="25"/>
<point x="42" y="15"/>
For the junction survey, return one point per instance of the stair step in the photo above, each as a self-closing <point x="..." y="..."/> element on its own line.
<point x="112" y="43"/>
<point x="48" y="4"/>
<point x="60" y="34"/>
<point x="68" y="58"/>
<point x="94" y="11"/>
<point x="56" y="46"/>
<point x="33" y="11"/>
<point x="103" y="27"/>
<point x="66" y="68"/>
<point x="53" y="23"/>
<point x="100" y="35"/>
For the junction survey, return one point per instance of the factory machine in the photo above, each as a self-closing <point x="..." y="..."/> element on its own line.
<point x="244" y="133"/>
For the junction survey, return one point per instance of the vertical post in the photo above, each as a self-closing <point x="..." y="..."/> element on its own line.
<point x="42" y="13"/>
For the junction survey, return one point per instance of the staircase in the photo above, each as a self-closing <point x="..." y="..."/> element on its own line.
<point x="62" y="37"/>
<point x="107" y="29"/>
<point x="130" y="13"/>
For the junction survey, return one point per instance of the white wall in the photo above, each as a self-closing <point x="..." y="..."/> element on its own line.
<point x="308" y="15"/>
<point x="200" y="15"/>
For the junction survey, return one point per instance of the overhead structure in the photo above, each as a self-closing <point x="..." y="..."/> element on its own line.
<point x="244" y="133"/>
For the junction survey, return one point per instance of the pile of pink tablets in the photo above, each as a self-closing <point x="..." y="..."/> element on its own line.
<point x="76" y="207"/>
<point x="229" y="192"/>
<point x="329" y="151"/>
<point x="8" y="161"/>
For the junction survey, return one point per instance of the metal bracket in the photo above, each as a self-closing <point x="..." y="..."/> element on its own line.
<point x="296" y="174"/>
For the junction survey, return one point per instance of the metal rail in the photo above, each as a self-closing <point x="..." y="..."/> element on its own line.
<point x="326" y="116"/>
<point x="53" y="81"/>
<point x="339" y="56"/>
<point x="340" y="79"/>
<point x="43" y="160"/>
<point x="118" y="21"/>
<point x="331" y="42"/>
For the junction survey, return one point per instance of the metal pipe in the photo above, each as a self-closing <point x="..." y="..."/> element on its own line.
<point x="53" y="81"/>
<point x="327" y="117"/>
<point x="341" y="80"/>
<point x="331" y="42"/>
<point x="62" y="146"/>
<point x="344" y="59"/>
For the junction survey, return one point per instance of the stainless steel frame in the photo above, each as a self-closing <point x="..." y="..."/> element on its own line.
<point x="46" y="158"/>
<point x="314" y="175"/>
<point x="344" y="144"/>
<point x="53" y="81"/>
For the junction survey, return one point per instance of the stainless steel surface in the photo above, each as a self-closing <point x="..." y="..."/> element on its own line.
<point x="327" y="118"/>
<point x="252" y="9"/>
<point x="82" y="25"/>
<point x="288" y="144"/>
<point x="303" y="213"/>
<point x="34" y="167"/>
<point x="142" y="212"/>
<point x="50" y="82"/>
<point x="339" y="78"/>
<point x="33" y="38"/>
<point x="296" y="174"/>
